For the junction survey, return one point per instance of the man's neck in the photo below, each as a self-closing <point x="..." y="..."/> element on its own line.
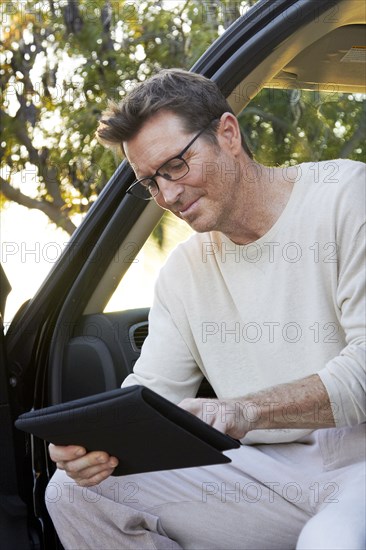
<point x="264" y="198"/>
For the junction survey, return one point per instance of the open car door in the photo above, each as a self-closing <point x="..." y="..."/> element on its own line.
<point x="63" y="344"/>
<point x="13" y="510"/>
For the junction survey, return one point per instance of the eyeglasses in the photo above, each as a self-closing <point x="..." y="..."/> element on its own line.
<point x="173" y="169"/>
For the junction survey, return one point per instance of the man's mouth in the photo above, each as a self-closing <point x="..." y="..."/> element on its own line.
<point x="189" y="208"/>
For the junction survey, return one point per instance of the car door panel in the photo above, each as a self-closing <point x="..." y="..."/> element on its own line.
<point x="54" y="350"/>
<point x="102" y="352"/>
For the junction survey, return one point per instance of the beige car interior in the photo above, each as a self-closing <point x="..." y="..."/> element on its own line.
<point x="327" y="54"/>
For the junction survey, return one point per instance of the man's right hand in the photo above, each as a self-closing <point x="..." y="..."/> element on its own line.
<point x="86" y="469"/>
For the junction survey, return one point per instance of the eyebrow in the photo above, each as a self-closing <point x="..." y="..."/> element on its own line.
<point x="179" y="154"/>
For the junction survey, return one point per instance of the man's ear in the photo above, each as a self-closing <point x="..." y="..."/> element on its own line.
<point x="228" y="133"/>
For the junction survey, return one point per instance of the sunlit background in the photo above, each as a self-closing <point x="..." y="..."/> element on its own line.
<point x="31" y="245"/>
<point x="59" y="67"/>
<point x="59" y="63"/>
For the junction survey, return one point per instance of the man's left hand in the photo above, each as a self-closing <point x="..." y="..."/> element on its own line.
<point x="225" y="416"/>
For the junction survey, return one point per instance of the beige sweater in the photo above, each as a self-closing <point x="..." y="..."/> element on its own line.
<point x="286" y="306"/>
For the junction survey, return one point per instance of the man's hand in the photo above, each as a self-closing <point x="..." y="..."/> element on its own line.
<point x="299" y="404"/>
<point x="225" y="416"/>
<point x="86" y="469"/>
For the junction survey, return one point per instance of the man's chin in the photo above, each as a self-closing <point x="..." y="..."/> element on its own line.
<point x="197" y="221"/>
<point x="201" y="225"/>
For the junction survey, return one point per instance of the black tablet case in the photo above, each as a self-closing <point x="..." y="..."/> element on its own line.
<point x="145" y="431"/>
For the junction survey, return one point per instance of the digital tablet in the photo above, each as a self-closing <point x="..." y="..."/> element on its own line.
<point x="145" y="431"/>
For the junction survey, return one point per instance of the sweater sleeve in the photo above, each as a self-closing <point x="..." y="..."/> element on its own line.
<point x="166" y="364"/>
<point x="344" y="376"/>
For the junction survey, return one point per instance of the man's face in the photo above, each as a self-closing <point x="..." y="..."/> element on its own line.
<point x="203" y="197"/>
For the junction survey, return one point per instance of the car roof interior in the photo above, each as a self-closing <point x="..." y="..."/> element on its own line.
<point x="316" y="57"/>
<point x="324" y="55"/>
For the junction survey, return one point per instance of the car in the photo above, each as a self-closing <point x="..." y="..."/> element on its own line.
<point x="63" y="343"/>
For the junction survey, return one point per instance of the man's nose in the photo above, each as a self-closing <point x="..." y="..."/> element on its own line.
<point x="170" y="190"/>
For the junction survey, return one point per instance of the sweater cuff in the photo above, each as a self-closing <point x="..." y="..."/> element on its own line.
<point x="344" y="381"/>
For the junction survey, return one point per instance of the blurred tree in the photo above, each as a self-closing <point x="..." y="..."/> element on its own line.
<point x="291" y="126"/>
<point x="60" y="61"/>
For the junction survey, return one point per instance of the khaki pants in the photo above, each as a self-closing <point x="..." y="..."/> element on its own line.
<point x="308" y="495"/>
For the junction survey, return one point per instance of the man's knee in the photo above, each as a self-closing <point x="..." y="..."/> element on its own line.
<point x="60" y="493"/>
<point x="324" y="532"/>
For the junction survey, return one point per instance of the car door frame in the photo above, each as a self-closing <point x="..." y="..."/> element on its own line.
<point x="34" y="338"/>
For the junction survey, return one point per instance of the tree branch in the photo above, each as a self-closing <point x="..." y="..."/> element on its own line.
<point x="269" y="117"/>
<point x="51" y="210"/>
<point x="73" y="20"/>
<point x="357" y="136"/>
<point x="38" y="158"/>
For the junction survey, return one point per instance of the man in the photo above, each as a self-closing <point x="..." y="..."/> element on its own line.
<point x="267" y="301"/>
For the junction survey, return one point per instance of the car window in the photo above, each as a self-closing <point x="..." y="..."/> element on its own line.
<point x="136" y="289"/>
<point x="282" y="127"/>
<point x="30" y="246"/>
<point x="289" y="126"/>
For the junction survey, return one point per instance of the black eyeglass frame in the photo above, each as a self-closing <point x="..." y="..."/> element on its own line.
<point x="149" y="194"/>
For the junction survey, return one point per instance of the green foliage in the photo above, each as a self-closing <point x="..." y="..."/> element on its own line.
<point x="292" y="126"/>
<point x="62" y="59"/>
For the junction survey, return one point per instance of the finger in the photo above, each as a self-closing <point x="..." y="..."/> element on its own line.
<point x="96" y="479"/>
<point x="67" y="452"/>
<point x="92" y="472"/>
<point x="95" y="458"/>
<point x="186" y="403"/>
<point x="192" y="406"/>
<point x="91" y="475"/>
<point x="219" y="425"/>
